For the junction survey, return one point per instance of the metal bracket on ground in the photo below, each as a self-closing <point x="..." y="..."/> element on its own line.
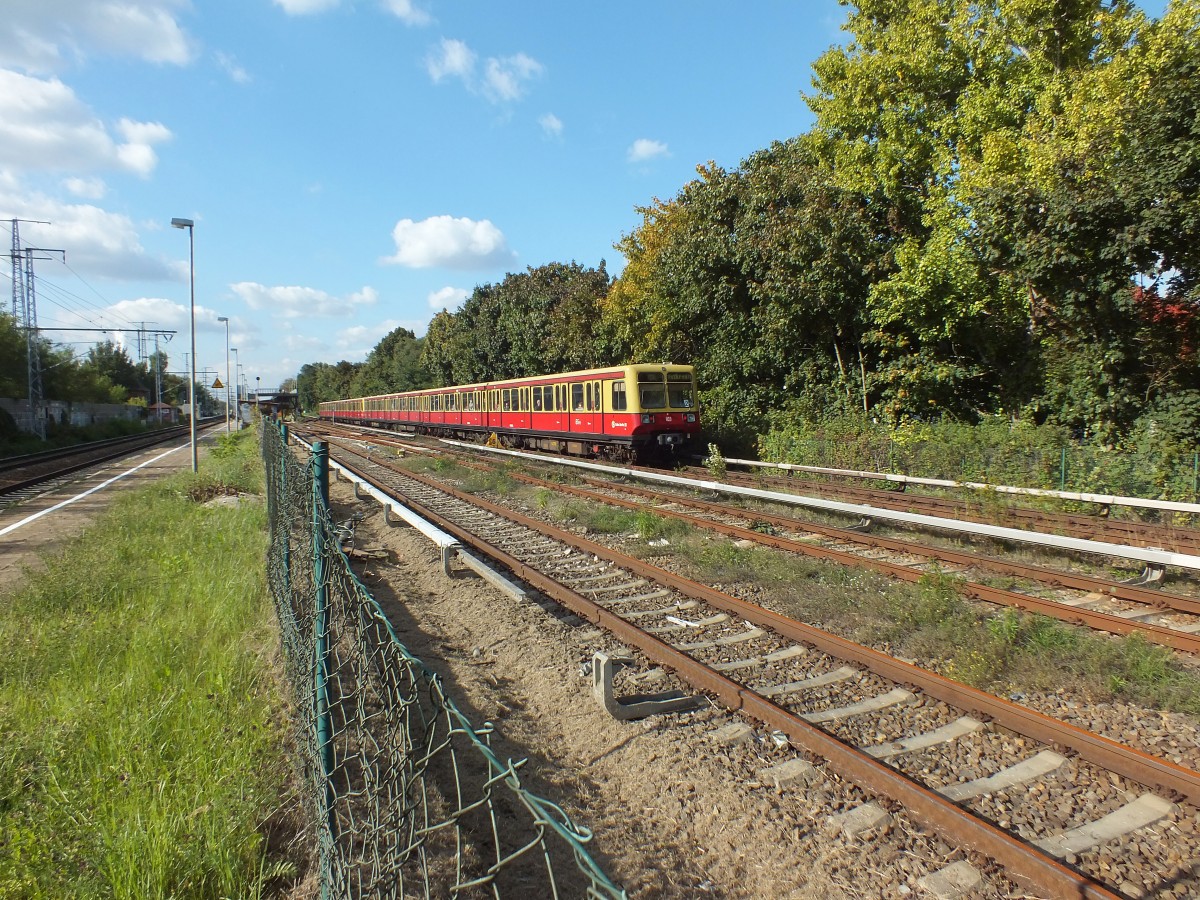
<point x="1152" y="574"/>
<point x="491" y="576"/>
<point x="864" y="524"/>
<point x="635" y="706"/>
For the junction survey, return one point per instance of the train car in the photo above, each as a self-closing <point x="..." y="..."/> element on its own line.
<point x="636" y="412"/>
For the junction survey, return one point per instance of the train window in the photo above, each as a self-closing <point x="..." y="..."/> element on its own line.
<point x="537" y="399"/>
<point x="619" y="400"/>
<point x="652" y="396"/>
<point x="504" y="399"/>
<point x="647" y="377"/>
<point x="577" y="397"/>
<point x="596" y="395"/>
<point x="589" y="396"/>
<point x="525" y="399"/>
<point x="548" y="398"/>
<point x="680" y="395"/>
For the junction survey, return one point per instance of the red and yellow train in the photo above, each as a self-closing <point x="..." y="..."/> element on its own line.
<point x="619" y="412"/>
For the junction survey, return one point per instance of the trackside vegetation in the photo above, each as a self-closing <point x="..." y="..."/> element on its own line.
<point x="992" y="222"/>
<point x="143" y="733"/>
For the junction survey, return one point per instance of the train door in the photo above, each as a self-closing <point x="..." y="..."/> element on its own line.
<point x="552" y="410"/>
<point x="585" y="401"/>
<point x="524" y="404"/>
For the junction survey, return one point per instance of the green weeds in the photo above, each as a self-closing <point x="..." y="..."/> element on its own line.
<point x="141" y="744"/>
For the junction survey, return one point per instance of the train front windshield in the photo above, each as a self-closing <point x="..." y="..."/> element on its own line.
<point x="676" y="393"/>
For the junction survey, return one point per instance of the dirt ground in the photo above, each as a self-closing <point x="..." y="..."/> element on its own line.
<point x="676" y="812"/>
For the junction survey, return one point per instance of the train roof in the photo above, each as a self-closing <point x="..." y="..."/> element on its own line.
<point x="537" y="379"/>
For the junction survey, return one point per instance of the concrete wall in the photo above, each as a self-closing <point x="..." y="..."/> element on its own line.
<point x="70" y="413"/>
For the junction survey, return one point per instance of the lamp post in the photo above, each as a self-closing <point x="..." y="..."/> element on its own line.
<point x="225" y="319"/>
<point x="237" y="388"/>
<point x="257" y="391"/>
<point x="191" y="229"/>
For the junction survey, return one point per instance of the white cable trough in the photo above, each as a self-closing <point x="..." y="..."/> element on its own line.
<point x="1103" y="499"/>
<point x="1100" y="548"/>
<point x="446" y="543"/>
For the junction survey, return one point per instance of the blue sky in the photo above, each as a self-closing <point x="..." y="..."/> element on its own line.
<point x="356" y="165"/>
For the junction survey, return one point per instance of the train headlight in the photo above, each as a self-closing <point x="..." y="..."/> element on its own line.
<point x="690" y="417"/>
<point x="647" y="418"/>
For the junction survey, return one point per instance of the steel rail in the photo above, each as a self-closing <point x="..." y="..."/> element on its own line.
<point x="1160" y="600"/>
<point x="1159" y="634"/>
<point x="971" y="509"/>
<point x="1023" y="862"/>
<point x="92" y="454"/>
<point x="1100" y="548"/>
<point x="1112" y="755"/>
<point x="1102" y="499"/>
<point x="28" y="459"/>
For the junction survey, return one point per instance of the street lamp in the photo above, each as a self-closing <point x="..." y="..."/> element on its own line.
<point x="237" y="387"/>
<point x="257" y="391"/>
<point x="225" y="319"/>
<point x="191" y="228"/>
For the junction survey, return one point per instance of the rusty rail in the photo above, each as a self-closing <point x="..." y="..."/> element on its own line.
<point x="1022" y="861"/>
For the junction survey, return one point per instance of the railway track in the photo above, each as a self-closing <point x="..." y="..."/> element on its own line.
<point x="989" y="511"/>
<point x="23" y="476"/>
<point x="1063" y="810"/>
<point x="1162" y="617"/>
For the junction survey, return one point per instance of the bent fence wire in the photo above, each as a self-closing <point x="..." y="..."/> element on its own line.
<point x="408" y="796"/>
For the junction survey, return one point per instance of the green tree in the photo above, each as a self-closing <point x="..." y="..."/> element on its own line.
<point x="111" y="361"/>
<point x="928" y="104"/>
<point x="759" y="278"/>
<point x="13" y="372"/>
<point x="1104" y="234"/>
<point x="394" y="365"/>
<point x="537" y="321"/>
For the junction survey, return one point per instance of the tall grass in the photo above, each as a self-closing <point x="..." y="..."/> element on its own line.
<point x="142" y="746"/>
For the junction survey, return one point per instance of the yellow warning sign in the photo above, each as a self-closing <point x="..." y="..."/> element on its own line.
<point x="217" y="383"/>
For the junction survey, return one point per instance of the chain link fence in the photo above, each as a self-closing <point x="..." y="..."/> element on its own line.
<point x="407" y="794"/>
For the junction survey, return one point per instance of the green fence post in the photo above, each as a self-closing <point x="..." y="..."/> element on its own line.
<point x="1196" y="475"/>
<point x="287" y="538"/>
<point x="1062" y="471"/>
<point x="320" y="507"/>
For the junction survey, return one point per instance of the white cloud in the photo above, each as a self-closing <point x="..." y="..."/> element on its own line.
<point x="86" y="188"/>
<point x="447" y="298"/>
<point x="356" y="343"/>
<point x="97" y="242"/>
<point x="407" y="13"/>
<point x="450" y="243"/>
<point x="45" y="35"/>
<point x="551" y="124"/>
<point x="293" y="302"/>
<point x="505" y="79"/>
<point x="305" y="7"/>
<point x="44" y="126"/>
<point x="451" y="59"/>
<point x="643" y="149"/>
<point x="230" y="67"/>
